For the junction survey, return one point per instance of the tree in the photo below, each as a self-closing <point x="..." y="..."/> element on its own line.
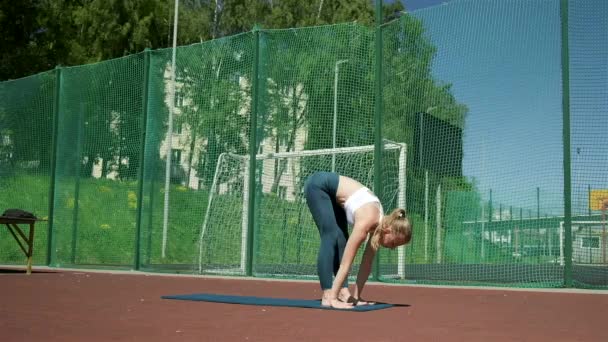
<point x="211" y="77"/>
<point x="23" y="39"/>
<point x="237" y="16"/>
<point x="26" y="121"/>
<point x="47" y="33"/>
<point x="298" y="65"/>
<point x="409" y="86"/>
<point x="114" y="28"/>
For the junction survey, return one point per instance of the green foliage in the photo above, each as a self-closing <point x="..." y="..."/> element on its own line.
<point x="25" y="47"/>
<point x="410" y="87"/>
<point x="101" y="112"/>
<point x="71" y="32"/>
<point x="33" y="197"/>
<point x="216" y="122"/>
<point x="21" y="150"/>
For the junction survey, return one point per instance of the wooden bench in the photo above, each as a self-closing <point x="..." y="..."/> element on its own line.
<point x="26" y="242"/>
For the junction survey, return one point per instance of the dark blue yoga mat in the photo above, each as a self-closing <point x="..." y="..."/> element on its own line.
<point x="268" y="301"/>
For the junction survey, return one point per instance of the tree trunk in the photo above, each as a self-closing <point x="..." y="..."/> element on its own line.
<point x="290" y="142"/>
<point x="191" y="156"/>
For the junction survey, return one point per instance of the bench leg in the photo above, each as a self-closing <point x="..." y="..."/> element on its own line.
<point x="30" y="249"/>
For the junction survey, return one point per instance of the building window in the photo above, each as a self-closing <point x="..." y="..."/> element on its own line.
<point x="284" y="166"/>
<point x="176" y="156"/>
<point x="177" y="128"/>
<point x="590" y="242"/>
<point x="282" y="191"/>
<point x="283" y="141"/>
<point x="179" y="100"/>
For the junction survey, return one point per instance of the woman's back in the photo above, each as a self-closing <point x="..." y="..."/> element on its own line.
<point x="346" y="187"/>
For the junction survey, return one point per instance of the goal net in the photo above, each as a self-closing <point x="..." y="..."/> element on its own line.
<point x="285" y="240"/>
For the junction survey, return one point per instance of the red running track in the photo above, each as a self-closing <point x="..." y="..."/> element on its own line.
<point x="91" y="306"/>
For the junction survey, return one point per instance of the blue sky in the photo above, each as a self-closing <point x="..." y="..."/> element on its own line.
<point x="412" y="5"/>
<point x="503" y="58"/>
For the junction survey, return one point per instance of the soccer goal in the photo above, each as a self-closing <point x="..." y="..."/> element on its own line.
<point x="285" y="238"/>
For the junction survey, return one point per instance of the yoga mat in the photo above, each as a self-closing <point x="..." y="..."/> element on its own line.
<point x="269" y="301"/>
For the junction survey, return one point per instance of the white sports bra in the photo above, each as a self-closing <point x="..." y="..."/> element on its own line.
<point x="357" y="200"/>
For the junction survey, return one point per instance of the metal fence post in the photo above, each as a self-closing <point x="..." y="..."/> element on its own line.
<point x="253" y="151"/>
<point x="566" y="143"/>
<point x="53" y="171"/>
<point x="142" y="155"/>
<point x="378" y="184"/>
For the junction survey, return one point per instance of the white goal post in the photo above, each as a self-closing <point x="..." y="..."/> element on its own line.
<point x="241" y="176"/>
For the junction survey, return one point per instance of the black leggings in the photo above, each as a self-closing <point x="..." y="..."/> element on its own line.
<point x="320" y="191"/>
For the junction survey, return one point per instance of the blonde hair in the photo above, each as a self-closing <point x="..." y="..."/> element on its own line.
<point x="398" y="222"/>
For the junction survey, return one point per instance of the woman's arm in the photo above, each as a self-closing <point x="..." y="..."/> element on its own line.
<point x="364" y="270"/>
<point x="355" y="240"/>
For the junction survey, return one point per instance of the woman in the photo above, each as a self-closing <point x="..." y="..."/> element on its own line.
<point x="336" y="201"/>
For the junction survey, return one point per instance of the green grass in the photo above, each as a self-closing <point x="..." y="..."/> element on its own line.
<point x="102" y="216"/>
<point x="30" y="193"/>
<point x="96" y="227"/>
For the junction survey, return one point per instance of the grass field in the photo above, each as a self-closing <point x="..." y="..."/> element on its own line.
<point x="95" y="225"/>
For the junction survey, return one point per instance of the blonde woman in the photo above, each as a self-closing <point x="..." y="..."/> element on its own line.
<point x="336" y="201"/>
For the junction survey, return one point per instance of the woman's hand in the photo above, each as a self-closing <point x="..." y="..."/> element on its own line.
<point x="361" y="302"/>
<point x="358" y="302"/>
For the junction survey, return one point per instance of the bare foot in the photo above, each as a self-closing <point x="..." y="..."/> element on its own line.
<point x="325" y="301"/>
<point x="335" y="303"/>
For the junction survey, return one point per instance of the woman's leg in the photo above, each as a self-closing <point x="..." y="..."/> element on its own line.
<point x="321" y="205"/>
<point x="342" y="224"/>
<point x="340" y="215"/>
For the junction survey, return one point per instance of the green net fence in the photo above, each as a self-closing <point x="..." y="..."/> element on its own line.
<point x="202" y="171"/>
<point x="98" y="143"/>
<point x="484" y="105"/>
<point x="26" y="136"/>
<point x="589" y="151"/>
